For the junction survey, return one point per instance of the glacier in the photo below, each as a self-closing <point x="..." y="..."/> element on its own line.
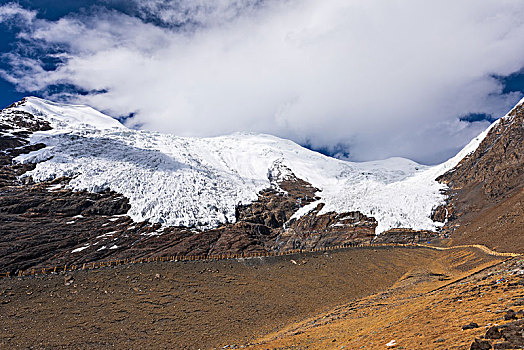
<point x="198" y="182"/>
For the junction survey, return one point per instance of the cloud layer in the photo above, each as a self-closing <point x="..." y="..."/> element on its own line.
<point x="379" y="78"/>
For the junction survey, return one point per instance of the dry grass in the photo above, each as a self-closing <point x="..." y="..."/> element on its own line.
<point x="412" y="312"/>
<point x="209" y="304"/>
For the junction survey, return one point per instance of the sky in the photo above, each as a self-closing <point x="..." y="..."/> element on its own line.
<point x="355" y="79"/>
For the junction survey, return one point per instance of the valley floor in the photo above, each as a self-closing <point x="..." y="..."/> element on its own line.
<point x="210" y="304"/>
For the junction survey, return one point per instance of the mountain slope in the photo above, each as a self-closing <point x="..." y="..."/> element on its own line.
<point x="199" y="181"/>
<point x="78" y="186"/>
<point x="486" y="203"/>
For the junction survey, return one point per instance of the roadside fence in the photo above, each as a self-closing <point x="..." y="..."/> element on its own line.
<point x="178" y="258"/>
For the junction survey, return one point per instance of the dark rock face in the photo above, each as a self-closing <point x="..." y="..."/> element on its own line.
<point x="486" y="197"/>
<point x="36" y="201"/>
<point x="471" y="325"/>
<point x="316" y="231"/>
<point x="276" y="205"/>
<point x="45" y="224"/>
<point x="480" y="344"/>
<point x="510" y="315"/>
<point x="511" y="334"/>
<point x="493" y="333"/>
<point x="443" y="212"/>
<point x="238" y="238"/>
<point x="406" y="236"/>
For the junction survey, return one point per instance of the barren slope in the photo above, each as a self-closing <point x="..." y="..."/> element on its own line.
<point x="424" y="310"/>
<point x="487" y="189"/>
<point x="198" y="304"/>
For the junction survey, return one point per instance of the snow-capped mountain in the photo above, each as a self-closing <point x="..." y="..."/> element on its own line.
<point x="77" y="186"/>
<point x="182" y="181"/>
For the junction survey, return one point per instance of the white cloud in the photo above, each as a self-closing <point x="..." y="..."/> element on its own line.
<point x="13" y="11"/>
<point x="386" y="78"/>
<point x="195" y="12"/>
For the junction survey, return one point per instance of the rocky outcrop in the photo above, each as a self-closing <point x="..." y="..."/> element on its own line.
<point x="507" y="336"/>
<point x="277" y="204"/>
<point x="496" y="167"/>
<point x="486" y="196"/>
<point x="406" y="236"/>
<point x="443" y="213"/>
<point x="317" y="231"/>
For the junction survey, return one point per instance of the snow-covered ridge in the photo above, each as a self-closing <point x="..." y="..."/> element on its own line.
<point x="199" y="181"/>
<point x="65" y="116"/>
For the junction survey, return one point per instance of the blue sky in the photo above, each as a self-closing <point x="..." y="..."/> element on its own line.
<point x="50" y="10"/>
<point x="363" y="80"/>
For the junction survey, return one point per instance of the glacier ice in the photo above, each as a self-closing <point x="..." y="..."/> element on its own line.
<point x="197" y="182"/>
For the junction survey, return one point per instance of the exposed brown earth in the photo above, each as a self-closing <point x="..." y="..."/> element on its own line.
<point x="427" y="308"/>
<point x="487" y="189"/>
<point x="406" y="236"/>
<point x="501" y="226"/>
<point x="207" y="304"/>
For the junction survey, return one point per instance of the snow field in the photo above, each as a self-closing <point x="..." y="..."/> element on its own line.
<point x="198" y="182"/>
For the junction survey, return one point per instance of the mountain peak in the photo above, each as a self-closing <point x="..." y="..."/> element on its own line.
<point x="66" y="115"/>
<point x="186" y="181"/>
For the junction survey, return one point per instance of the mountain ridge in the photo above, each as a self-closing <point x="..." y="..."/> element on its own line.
<point x="486" y="189"/>
<point x="59" y="210"/>
<point x="236" y="164"/>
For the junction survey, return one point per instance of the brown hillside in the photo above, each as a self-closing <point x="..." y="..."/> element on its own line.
<point x="486" y="197"/>
<point x="422" y="312"/>
<point x="207" y="304"/>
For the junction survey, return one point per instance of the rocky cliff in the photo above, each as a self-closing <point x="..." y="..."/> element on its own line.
<point x="486" y="196"/>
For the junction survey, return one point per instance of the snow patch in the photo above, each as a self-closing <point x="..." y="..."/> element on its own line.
<point x="108" y="234"/>
<point x="391" y="343"/>
<point x="66" y="116"/>
<point x="80" y="249"/>
<point x="54" y="187"/>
